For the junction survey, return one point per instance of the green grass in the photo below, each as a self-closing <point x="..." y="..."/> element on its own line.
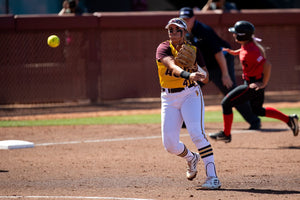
<point x="210" y="116"/>
<point x="216" y="116"/>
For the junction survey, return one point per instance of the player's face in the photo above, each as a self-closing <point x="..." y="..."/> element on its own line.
<point x="236" y="40"/>
<point x="176" y="34"/>
<point x="234" y="36"/>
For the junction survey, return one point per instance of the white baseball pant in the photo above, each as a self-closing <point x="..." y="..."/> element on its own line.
<point x="187" y="105"/>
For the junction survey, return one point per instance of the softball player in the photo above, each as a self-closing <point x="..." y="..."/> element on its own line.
<point x="181" y="99"/>
<point x="220" y="65"/>
<point x="256" y="74"/>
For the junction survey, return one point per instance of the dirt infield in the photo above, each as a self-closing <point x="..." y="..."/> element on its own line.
<point x="129" y="162"/>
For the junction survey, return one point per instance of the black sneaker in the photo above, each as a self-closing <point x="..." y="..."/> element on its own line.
<point x="293" y="124"/>
<point x="220" y="136"/>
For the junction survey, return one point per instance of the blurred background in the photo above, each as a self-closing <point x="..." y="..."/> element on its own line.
<point x="54" y="6"/>
<point x="107" y="50"/>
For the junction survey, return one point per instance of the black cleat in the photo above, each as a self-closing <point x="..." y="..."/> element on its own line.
<point x="220" y="136"/>
<point x="293" y="124"/>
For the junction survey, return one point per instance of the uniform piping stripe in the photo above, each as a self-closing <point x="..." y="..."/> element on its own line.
<point x="202" y="117"/>
<point x="240" y="94"/>
<point x="208" y="146"/>
<point x="184" y="152"/>
<point x="204" y="152"/>
<point x="210" y="154"/>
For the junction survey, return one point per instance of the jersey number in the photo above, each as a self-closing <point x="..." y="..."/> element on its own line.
<point x="168" y="72"/>
<point x="185" y="82"/>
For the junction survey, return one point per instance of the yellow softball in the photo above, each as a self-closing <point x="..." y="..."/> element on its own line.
<point x="53" y="41"/>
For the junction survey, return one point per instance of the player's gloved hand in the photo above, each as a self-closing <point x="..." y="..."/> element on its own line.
<point x="186" y="58"/>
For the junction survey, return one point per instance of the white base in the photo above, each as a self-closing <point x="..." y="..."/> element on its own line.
<point x="15" y="144"/>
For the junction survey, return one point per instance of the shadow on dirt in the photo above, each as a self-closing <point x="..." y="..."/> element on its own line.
<point x="290" y="147"/>
<point x="264" y="148"/>
<point x="260" y="191"/>
<point x="272" y="130"/>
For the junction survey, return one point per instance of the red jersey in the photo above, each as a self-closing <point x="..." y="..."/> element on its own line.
<point x="252" y="61"/>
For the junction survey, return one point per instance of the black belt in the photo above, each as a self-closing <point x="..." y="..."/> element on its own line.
<point x="253" y="79"/>
<point x="175" y="90"/>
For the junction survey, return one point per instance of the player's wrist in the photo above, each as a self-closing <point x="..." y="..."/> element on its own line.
<point x="186" y="75"/>
<point x="225" y="75"/>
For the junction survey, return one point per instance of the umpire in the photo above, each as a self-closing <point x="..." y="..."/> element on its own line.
<point x="220" y="66"/>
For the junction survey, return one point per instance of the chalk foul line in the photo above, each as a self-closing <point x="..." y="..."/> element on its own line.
<point x="68" y="197"/>
<point x="123" y="139"/>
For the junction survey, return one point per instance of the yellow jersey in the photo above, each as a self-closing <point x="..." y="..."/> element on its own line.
<point x="166" y="78"/>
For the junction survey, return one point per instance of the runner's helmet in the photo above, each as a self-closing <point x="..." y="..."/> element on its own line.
<point x="243" y="30"/>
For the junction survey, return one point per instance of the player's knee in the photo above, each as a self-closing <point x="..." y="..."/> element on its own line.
<point x="197" y="135"/>
<point x="200" y="141"/>
<point x="227" y="109"/>
<point x="259" y="111"/>
<point x="225" y="103"/>
<point x="171" y="148"/>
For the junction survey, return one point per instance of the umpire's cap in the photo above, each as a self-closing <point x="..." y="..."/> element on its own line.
<point x="186" y="12"/>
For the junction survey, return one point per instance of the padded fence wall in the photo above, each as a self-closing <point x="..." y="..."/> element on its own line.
<point x="32" y="72"/>
<point x="110" y="56"/>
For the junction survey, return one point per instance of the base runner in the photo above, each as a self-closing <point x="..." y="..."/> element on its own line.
<point x="256" y="74"/>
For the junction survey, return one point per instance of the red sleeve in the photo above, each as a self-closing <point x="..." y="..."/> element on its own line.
<point x="163" y="50"/>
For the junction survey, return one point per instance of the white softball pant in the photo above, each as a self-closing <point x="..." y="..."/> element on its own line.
<point x="187" y="105"/>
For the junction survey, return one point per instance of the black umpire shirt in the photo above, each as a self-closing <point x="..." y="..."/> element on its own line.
<point x="209" y="43"/>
